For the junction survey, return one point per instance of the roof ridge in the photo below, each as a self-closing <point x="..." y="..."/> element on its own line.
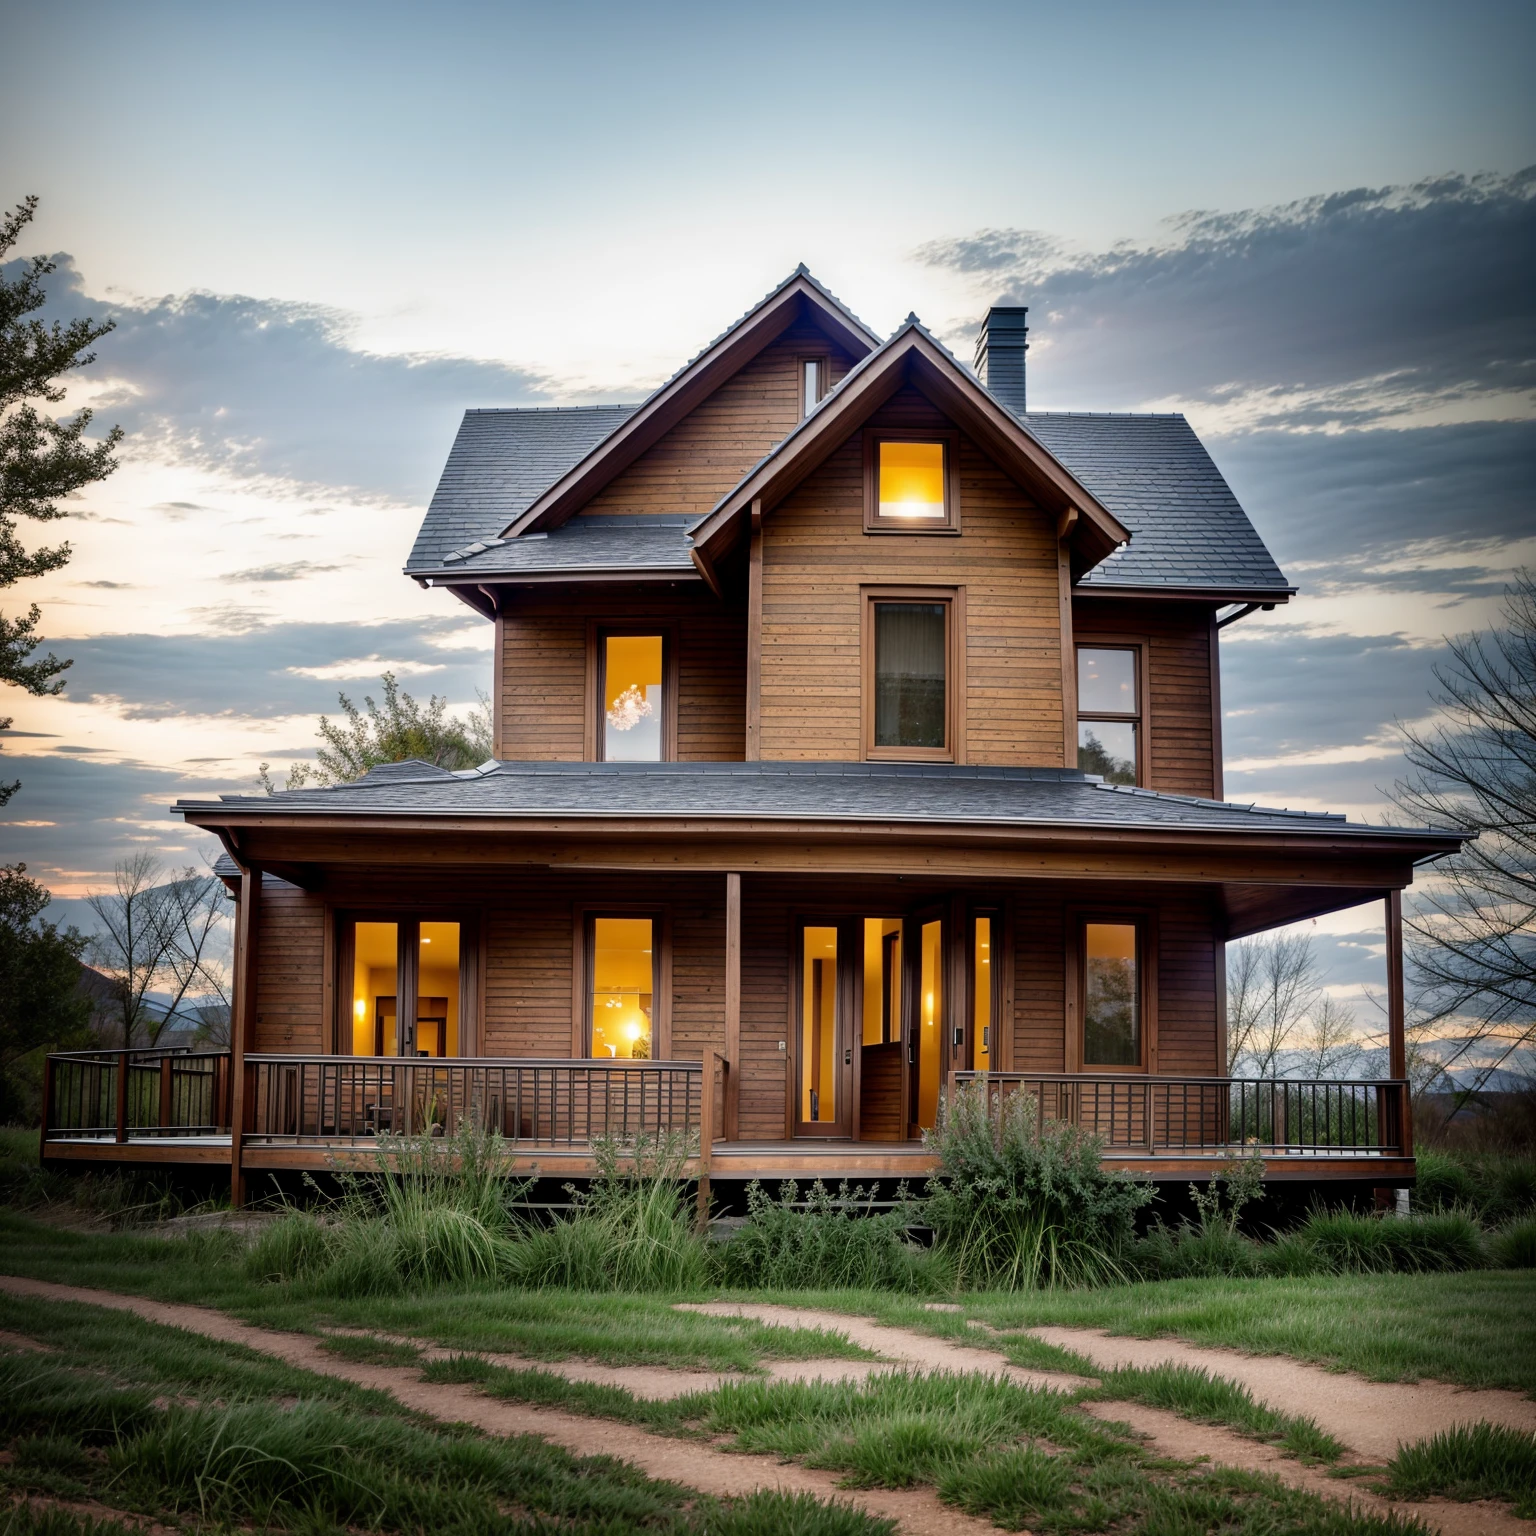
<point x="541" y="410"/>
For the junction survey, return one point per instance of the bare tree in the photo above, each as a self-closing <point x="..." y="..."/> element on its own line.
<point x="1329" y="1043"/>
<point x="1271" y="985"/>
<point x="1471" y="941"/>
<point x="161" y="937"/>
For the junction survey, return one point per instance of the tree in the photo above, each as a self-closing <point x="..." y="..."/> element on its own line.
<point x="1278" y="1014"/>
<point x="1471" y="941"/>
<point x="42" y="460"/>
<point x="402" y="730"/>
<point x="160" y="945"/>
<point x="41" y="1003"/>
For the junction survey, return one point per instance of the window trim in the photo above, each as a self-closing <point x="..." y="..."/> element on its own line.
<point x="824" y="379"/>
<point x="583" y="952"/>
<point x="953" y="598"/>
<point x="873" y="522"/>
<point x="1144" y="920"/>
<point x="471" y="964"/>
<point x="1100" y="641"/>
<point x="597" y="634"/>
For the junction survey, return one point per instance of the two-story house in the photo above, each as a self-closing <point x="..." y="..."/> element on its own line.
<point x="858" y="731"/>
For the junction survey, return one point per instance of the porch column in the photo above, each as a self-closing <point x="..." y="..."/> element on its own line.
<point x="242" y="1021"/>
<point x="1397" y="1045"/>
<point x="732" y="1002"/>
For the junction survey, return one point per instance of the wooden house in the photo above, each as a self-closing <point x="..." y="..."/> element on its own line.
<point x="857" y="735"/>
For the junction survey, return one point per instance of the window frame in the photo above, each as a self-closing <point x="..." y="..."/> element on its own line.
<point x="1144" y="920"/>
<point x="1141" y="718"/>
<point x="823" y="377"/>
<point x="583" y="955"/>
<point x="953" y="598"/>
<point x="597" y="659"/>
<point x="924" y="527"/>
<point x="408" y="920"/>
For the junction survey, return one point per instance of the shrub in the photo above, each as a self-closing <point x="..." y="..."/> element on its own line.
<point x="1514" y="1246"/>
<point x="1210" y="1245"/>
<point x="1497" y="1186"/>
<point x="1344" y="1242"/>
<point x="630" y="1230"/>
<point x="836" y="1240"/>
<point x="1018" y="1204"/>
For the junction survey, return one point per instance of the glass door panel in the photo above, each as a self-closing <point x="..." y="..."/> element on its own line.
<point x="375" y="988"/>
<point x="824" y="1055"/>
<point x="984" y="941"/>
<point x="925" y="1049"/>
<point x="437" y="986"/>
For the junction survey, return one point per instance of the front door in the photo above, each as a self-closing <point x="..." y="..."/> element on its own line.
<point x="823" y="1082"/>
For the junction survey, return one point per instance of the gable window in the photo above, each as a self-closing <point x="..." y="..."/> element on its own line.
<point x="1112" y="1032"/>
<point x="622" y="964"/>
<point x="633" y="722"/>
<point x="813" y="383"/>
<point x="1109" y="726"/>
<point x="910" y="687"/>
<point x="910" y="485"/>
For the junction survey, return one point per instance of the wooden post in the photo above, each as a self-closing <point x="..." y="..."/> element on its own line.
<point x="732" y="1003"/>
<point x="242" y="1023"/>
<point x="706" y="1133"/>
<point x="48" y="1091"/>
<point x="122" y="1097"/>
<point x="166" y="1093"/>
<point x="1397" y="1040"/>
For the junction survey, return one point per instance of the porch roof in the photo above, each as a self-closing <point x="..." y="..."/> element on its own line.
<point x="919" y="794"/>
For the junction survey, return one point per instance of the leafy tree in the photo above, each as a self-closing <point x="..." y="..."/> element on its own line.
<point x="41" y="1003"/>
<point x="1471" y="942"/>
<point x="160" y="937"/>
<point x="402" y="730"/>
<point x="1094" y="757"/>
<point x="42" y="460"/>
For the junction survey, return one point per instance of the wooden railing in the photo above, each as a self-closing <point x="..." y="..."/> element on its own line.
<point x="111" y="1095"/>
<point x="555" y="1102"/>
<point x="1270" y="1116"/>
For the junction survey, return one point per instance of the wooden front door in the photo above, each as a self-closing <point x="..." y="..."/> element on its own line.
<point x="823" y="1080"/>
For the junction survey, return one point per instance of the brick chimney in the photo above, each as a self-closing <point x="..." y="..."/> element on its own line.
<point x="1000" y="350"/>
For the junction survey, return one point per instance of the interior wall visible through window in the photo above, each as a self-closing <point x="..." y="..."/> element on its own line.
<point x="983" y="956"/>
<point x="633" y="698"/>
<point x="882" y="980"/>
<point x="623" y="995"/>
<point x="928" y="1053"/>
<point x="818" y="1026"/>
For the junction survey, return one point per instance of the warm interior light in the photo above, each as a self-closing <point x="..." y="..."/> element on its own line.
<point x="912" y="480"/>
<point x="360" y="1008"/>
<point x="631" y="1031"/>
<point x="426" y="941"/>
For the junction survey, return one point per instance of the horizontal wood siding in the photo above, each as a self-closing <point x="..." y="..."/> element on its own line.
<point x="816" y="555"/>
<point x="1186" y="974"/>
<point x="1179" y="663"/>
<point x="1039" y="982"/>
<point x="290" y="981"/>
<point x="707" y="452"/>
<point x="543" y="704"/>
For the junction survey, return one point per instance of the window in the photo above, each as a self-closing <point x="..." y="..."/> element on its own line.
<point x="814" y="379"/>
<point x="986" y="968"/>
<point x="1109" y="735"/>
<point x="819" y="1065"/>
<point x="882" y="980"/>
<point x="633" y="725"/>
<point x="927" y="1051"/>
<point x="390" y="960"/>
<point x="1112" y="1032"/>
<point x="911" y="690"/>
<point x="910" y="484"/>
<point x="621" y="987"/>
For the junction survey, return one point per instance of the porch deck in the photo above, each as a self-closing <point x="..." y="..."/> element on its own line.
<point x="310" y="1113"/>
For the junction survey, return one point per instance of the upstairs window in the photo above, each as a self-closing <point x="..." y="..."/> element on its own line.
<point x="1109" y="733"/>
<point x="910" y="483"/>
<point x="633" y="725"/>
<point x="909" y="673"/>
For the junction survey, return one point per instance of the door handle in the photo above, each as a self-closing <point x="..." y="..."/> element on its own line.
<point x="848" y="1057"/>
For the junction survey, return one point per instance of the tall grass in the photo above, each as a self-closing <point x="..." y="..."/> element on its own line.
<point x="629" y="1230"/>
<point x="1471" y="1461"/>
<point x="1017" y="1204"/>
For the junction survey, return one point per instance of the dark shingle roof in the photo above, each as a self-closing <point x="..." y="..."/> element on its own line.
<point x="500" y="461"/>
<point x="1153" y="473"/>
<point x="886" y="792"/>
<point x="638" y="542"/>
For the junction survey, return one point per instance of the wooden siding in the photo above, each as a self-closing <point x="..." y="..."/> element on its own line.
<point x="542" y="712"/>
<point x="528" y="921"/>
<point x="707" y="452"/>
<point x="816" y="555"/>
<point x="1177" y="636"/>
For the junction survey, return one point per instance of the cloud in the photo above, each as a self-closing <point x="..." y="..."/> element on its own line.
<point x="273" y="388"/>
<point x="295" y="570"/>
<point x="1346" y="309"/>
<point x="266" y="672"/>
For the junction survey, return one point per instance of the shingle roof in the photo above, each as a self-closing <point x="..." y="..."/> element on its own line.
<point x="1153" y="473"/>
<point x="886" y="792"/>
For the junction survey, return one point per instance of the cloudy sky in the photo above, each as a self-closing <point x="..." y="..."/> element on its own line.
<point x="323" y="230"/>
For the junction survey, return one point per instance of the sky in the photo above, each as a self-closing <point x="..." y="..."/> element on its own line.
<point x="325" y="230"/>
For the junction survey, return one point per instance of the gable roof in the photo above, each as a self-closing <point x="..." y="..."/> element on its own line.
<point x="912" y="355"/>
<point x="799" y="294"/>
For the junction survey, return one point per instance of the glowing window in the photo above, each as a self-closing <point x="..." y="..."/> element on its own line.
<point x="930" y="1024"/>
<point x="632" y="725"/>
<point x="818" y="1027"/>
<point x="912" y="481"/>
<point x="375" y="988"/>
<point x="882" y="980"/>
<point x="1111" y="996"/>
<point x="623" y="987"/>
<point x="981" y="986"/>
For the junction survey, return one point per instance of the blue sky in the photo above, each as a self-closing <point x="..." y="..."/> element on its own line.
<point x="324" y="230"/>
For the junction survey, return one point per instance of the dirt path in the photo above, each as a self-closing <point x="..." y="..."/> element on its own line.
<point x="917" y="1510"/>
<point x="1371" y="1417"/>
<point x="896" y="1344"/>
<point x="1166" y="1434"/>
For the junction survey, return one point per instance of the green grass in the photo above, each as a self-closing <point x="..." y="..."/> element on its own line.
<point x="1472" y="1461"/>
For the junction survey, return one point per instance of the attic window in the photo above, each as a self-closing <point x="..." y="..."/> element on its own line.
<point x="910" y="483"/>
<point x="813" y="383"/>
